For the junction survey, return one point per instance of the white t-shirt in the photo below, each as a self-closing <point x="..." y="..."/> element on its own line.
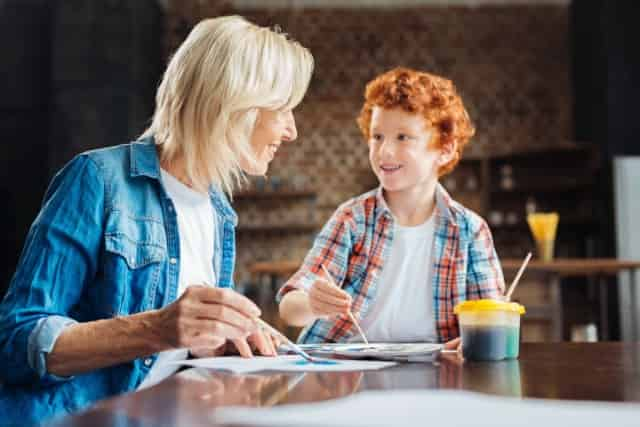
<point x="196" y="228"/>
<point x="402" y="309"/>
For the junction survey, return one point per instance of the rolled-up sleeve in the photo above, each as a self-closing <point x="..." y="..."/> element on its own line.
<point x="59" y="258"/>
<point x="41" y="341"/>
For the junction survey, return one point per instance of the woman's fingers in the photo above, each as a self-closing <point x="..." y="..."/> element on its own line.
<point x="224" y="314"/>
<point x="216" y="328"/>
<point x="208" y="351"/>
<point x="263" y="343"/>
<point x="227" y="297"/>
<point x="205" y="340"/>
<point x="243" y="347"/>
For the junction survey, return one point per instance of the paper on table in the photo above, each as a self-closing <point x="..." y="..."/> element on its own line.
<point x="440" y="407"/>
<point x="241" y="365"/>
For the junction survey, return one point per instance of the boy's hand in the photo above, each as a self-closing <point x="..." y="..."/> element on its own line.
<point x="454" y="344"/>
<point x="326" y="299"/>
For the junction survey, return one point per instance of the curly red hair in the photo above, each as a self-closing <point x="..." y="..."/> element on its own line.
<point x="434" y="97"/>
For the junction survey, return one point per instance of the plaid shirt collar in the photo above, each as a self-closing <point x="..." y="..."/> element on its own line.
<point x="445" y="209"/>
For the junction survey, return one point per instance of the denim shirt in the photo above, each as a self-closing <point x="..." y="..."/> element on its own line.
<point x="104" y="244"/>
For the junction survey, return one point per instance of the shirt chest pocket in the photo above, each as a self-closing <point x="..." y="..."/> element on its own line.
<point x="135" y="255"/>
<point x="139" y="241"/>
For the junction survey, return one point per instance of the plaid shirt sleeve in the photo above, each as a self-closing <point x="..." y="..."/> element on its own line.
<point x="484" y="273"/>
<point x="331" y="248"/>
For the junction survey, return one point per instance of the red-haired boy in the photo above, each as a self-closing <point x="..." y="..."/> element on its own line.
<point x="406" y="253"/>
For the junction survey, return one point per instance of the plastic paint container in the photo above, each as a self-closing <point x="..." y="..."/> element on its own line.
<point x="490" y="329"/>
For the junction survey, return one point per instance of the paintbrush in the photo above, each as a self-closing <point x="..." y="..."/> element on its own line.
<point x="351" y="316"/>
<point x="294" y="347"/>
<point x="517" y="278"/>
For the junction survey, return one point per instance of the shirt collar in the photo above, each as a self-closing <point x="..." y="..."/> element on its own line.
<point x="444" y="205"/>
<point x="144" y="158"/>
<point x="145" y="162"/>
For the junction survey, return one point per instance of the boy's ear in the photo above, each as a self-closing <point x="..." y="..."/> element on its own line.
<point x="447" y="152"/>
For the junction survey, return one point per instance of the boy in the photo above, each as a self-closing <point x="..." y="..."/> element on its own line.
<point x="405" y="254"/>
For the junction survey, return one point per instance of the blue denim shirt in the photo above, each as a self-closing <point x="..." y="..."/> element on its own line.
<point x="104" y="244"/>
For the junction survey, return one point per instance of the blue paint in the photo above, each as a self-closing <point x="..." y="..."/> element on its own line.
<point x="317" y="362"/>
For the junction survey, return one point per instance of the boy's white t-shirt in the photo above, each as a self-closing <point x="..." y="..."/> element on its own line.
<point x="196" y="228"/>
<point x="402" y="310"/>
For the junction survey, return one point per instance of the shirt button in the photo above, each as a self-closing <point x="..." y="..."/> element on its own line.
<point x="173" y="260"/>
<point x="148" y="361"/>
<point x="170" y="208"/>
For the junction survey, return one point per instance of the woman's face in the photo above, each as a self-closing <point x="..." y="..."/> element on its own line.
<point x="273" y="127"/>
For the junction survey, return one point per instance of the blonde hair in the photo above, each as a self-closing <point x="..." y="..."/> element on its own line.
<point x="216" y="82"/>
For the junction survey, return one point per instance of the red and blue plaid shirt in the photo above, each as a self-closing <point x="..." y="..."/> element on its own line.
<point x="354" y="246"/>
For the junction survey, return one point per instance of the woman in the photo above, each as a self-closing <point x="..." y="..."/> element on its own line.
<point x="129" y="263"/>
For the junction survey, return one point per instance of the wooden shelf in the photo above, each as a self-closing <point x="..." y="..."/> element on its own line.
<point x="537" y="313"/>
<point x="544" y="187"/>
<point x="284" y="194"/>
<point x="566" y="221"/>
<point x="574" y="267"/>
<point x="279" y="228"/>
<point x="564" y="147"/>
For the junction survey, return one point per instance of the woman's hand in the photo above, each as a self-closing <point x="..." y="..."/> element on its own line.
<point x="200" y="352"/>
<point x="259" y="342"/>
<point x="204" y="318"/>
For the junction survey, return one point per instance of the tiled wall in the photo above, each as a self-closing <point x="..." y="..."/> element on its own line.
<point x="510" y="63"/>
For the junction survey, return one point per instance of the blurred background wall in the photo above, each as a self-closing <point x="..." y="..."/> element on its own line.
<point x="551" y="86"/>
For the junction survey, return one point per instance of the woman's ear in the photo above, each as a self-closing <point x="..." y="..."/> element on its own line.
<point x="448" y="151"/>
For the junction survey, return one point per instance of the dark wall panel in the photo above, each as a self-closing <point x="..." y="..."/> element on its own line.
<point x="74" y="75"/>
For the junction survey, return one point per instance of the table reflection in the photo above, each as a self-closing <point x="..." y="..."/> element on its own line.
<point x="191" y="396"/>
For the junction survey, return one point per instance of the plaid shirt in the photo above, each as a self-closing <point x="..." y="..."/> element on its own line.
<point x="354" y="246"/>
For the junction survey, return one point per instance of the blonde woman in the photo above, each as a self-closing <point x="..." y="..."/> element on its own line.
<point x="129" y="264"/>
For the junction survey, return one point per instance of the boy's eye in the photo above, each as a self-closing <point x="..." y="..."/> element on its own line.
<point x="403" y="137"/>
<point x="376" y="137"/>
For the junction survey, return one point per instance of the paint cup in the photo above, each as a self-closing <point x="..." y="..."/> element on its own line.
<point x="490" y="329"/>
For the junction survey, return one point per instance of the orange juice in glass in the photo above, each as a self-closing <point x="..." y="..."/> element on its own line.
<point x="543" y="227"/>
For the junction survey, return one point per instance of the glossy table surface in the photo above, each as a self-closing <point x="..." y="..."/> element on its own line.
<point x="576" y="371"/>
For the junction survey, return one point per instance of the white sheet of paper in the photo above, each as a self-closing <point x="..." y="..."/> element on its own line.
<point x="435" y="408"/>
<point x="241" y="365"/>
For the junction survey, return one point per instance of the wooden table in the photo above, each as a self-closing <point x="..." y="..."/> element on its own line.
<point x="553" y="273"/>
<point x="575" y="371"/>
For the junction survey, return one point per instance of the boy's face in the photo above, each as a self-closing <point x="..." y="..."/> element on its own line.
<point x="400" y="150"/>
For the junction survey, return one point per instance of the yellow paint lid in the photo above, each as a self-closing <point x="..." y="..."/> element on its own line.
<point x="488" y="305"/>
